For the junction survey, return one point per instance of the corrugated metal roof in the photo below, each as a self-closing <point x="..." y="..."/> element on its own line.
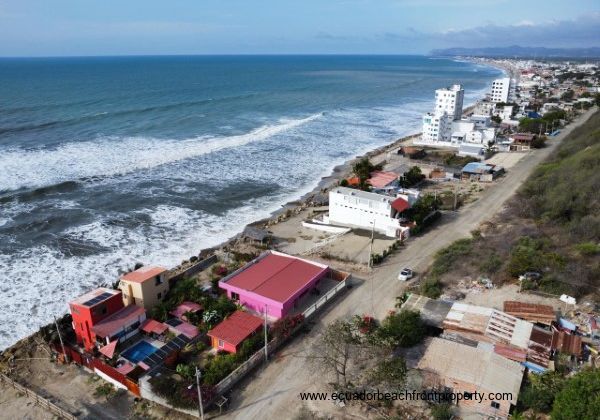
<point x="566" y="343"/>
<point x="484" y="369"/>
<point x="530" y="311"/>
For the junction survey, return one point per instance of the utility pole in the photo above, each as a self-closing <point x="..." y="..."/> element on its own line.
<point x="370" y="265"/>
<point x="200" y="404"/>
<point x="266" y="339"/>
<point x="62" y="344"/>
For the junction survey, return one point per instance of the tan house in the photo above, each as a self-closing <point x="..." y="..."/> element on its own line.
<point x="144" y="287"/>
<point x="468" y="370"/>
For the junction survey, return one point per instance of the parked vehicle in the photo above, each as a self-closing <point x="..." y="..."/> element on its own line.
<point x="530" y="275"/>
<point x="406" y="274"/>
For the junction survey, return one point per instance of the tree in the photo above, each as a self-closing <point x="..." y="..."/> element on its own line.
<point x="580" y="397"/>
<point x="541" y="390"/>
<point x="338" y="347"/>
<point x="390" y="372"/>
<point x="424" y="207"/>
<point x="362" y="169"/>
<point x="568" y="95"/>
<point x="412" y="177"/>
<point x="496" y="119"/>
<point x="404" y="329"/>
<point x="538" y="142"/>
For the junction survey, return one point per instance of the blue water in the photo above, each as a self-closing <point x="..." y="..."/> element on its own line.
<point x="139" y="351"/>
<point x="108" y="161"/>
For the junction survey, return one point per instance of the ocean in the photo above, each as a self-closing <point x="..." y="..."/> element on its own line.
<point x="109" y="161"/>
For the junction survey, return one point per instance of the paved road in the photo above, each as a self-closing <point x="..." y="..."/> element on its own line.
<point x="273" y="392"/>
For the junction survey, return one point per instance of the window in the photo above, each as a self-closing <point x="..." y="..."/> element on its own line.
<point x="495" y="404"/>
<point x="158" y="280"/>
<point x="159" y="296"/>
<point x="221" y="343"/>
<point x="235" y="296"/>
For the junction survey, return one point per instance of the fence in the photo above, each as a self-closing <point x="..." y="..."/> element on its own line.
<point x="98" y="365"/>
<point x="194" y="269"/>
<point x="38" y="399"/>
<point x="323" y="300"/>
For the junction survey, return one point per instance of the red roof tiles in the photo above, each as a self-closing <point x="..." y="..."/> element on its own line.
<point x="117" y="321"/>
<point x="153" y="326"/>
<point x="380" y="179"/>
<point x="236" y="328"/>
<point x="400" y="204"/>
<point x="277" y="277"/>
<point x="142" y="274"/>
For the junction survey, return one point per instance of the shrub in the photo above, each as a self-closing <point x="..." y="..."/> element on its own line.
<point x="539" y="393"/>
<point x="283" y="327"/>
<point x="404" y="329"/>
<point x="588" y="248"/>
<point x="446" y="257"/>
<point x="431" y="287"/>
<point x="525" y="256"/>
<point x="579" y="398"/>
<point x="104" y="390"/>
<point x="491" y="264"/>
<point x="218" y="368"/>
<point x="441" y="412"/>
<point x="391" y="372"/>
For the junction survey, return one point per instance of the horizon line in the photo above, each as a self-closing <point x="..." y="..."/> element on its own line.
<point x="220" y="55"/>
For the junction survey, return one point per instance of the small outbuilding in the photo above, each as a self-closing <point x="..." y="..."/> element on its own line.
<point x="256" y="235"/>
<point x="230" y="333"/>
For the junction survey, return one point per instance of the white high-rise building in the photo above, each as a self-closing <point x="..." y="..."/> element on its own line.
<point x="450" y="101"/>
<point x="500" y="90"/>
<point x="437" y="125"/>
<point x="445" y="127"/>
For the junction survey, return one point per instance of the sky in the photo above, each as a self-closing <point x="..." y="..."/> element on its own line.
<point x="147" y="27"/>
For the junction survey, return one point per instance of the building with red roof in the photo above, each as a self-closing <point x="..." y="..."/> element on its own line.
<point x="184" y="308"/>
<point x="119" y="326"/>
<point x="274" y="281"/>
<point x="230" y="333"/>
<point x="144" y="287"/>
<point x="154" y="327"/>
<point x="382" y="179"/>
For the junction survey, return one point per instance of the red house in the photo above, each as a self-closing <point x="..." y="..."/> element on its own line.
<point x="91" y="308"/>
<point x="229" y="334"/>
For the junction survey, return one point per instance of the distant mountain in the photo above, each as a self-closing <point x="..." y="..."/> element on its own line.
<point x="521" y="52"/>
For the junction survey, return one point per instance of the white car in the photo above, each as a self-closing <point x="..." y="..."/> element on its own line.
<point x="406" y="274"/>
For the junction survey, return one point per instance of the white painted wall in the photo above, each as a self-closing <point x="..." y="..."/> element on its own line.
<point x="348" y="207"/>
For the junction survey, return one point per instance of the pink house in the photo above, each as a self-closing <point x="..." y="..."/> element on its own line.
<point x="274" y="281"/>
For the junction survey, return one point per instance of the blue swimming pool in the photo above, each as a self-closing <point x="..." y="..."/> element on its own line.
<point x="139" y="352"/>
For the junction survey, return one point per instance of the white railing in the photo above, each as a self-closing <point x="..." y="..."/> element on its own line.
<point x="323" y="300"/>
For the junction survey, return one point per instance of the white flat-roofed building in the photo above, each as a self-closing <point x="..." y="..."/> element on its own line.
<point x="449" y="101"/>
<point x="437" y="125"/>
<point x="500" y="90"/>
<point x="366" y="210"/>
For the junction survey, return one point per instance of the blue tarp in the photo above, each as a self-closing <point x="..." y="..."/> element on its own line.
<point x="476" y="168"/>
<point x="567" y="324"/>
<point x="533" y="367"/>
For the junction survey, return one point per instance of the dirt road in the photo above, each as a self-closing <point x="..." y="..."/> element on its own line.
<point x="273" y="392"/>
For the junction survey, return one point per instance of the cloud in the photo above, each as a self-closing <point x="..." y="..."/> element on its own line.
<point x="583" y="31"/>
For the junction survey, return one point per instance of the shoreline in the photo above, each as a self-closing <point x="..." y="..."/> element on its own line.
<point x="294" y="206"/>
